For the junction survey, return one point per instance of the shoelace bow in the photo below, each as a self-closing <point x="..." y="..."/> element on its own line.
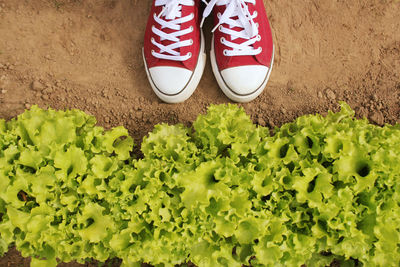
<point x="245" y="20"/>
<point x="172" y="12"/>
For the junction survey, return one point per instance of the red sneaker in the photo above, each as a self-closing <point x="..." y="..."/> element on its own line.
<point x="242" y="52"/>
<point x="173" y="50"/>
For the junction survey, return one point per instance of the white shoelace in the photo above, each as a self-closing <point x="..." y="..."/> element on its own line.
<point x="245" y="20"/>
<point x="172" y="12"/>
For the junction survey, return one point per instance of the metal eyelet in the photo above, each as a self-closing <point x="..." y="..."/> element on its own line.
<point x="189" y="55"/>
<point x="260" y="49"/>
<point x="152" y="52"/>
<point x="258" y="37"/>
<point x="258" y="25"/>
<point x="222" y="40"/>
<point x="191" y="29"/>
<point x="152" y="39"/>
<point x="255" y="14"/>
<point x="191" y="41"/>
<point x="225" y="52"/>
<point x="218" y="15"/>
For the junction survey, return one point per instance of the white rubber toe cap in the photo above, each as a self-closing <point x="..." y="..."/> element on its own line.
<point x="245" y="80"/>
<point x="170" y="80"/>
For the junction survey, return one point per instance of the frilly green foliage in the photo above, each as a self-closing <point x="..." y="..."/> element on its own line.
<point x="225" y="194"/>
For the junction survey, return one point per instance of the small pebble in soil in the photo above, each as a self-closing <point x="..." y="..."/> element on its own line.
<point x="27" y="106"/>
<point x="37" y="86"/>
<point x="319" y="94"/>
<point x="45" y="97"/>
<point x="330" y="94"/>
<point x="261" y="121"/>
<point x="271" y="123"/>
<point x="3" y="91"/>
<point x="377" y="117"/>
<point x="48" y="90"/>
<point x="264" y="106"/>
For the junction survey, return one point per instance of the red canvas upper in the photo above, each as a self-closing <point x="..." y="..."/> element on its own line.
<point x="264" y="58"/>
<point x="190" y="64"/>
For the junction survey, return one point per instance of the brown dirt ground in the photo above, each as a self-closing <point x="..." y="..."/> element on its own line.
<point x="86" y="54"/>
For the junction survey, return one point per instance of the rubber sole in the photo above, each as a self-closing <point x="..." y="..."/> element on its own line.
<point x="225" y="88"/>
<point x="191" y="86"/>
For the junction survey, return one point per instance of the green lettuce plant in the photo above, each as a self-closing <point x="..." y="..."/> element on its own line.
<point x="223" y="193"/>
